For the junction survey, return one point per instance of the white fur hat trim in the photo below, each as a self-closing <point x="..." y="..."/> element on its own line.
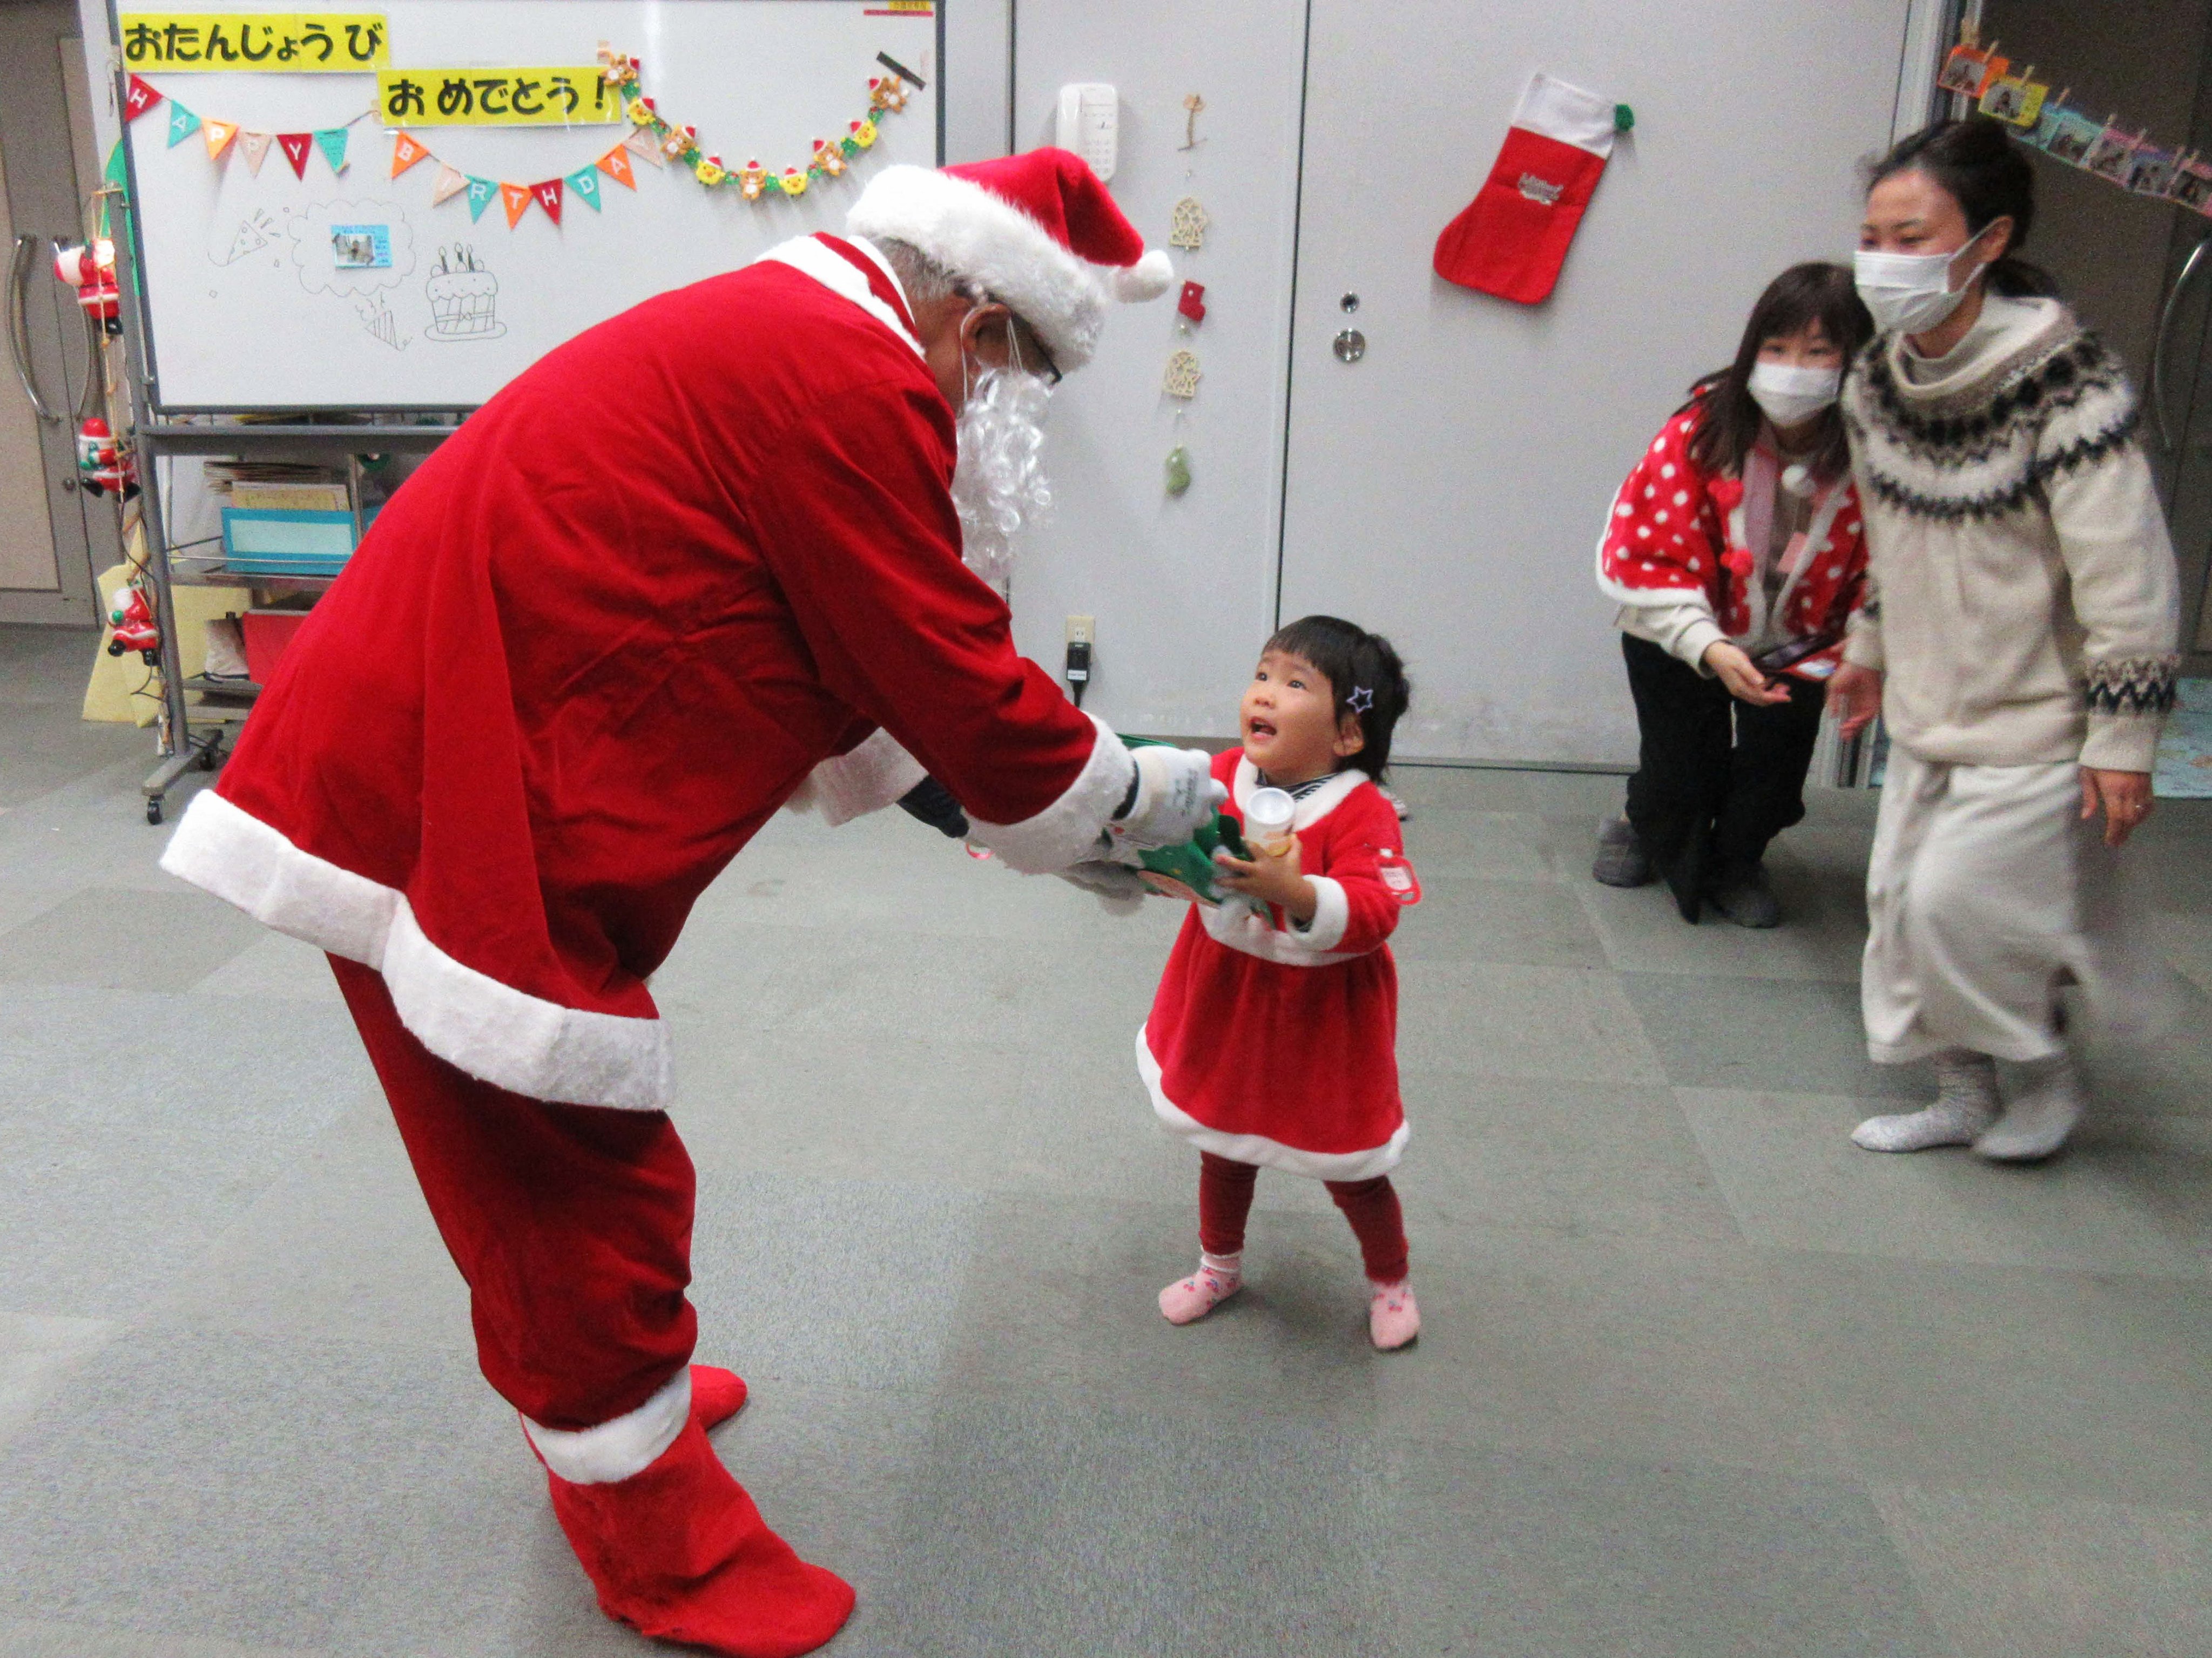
<point x="979" y="237"/>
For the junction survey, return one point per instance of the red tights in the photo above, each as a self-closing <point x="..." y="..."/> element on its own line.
<point x="1224" y="1198"/>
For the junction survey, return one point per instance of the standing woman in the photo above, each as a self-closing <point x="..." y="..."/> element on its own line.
<point x="2019" y="639"/>
<point x="1735" y="552"/>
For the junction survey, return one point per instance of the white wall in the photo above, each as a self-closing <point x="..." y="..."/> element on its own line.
<point x="1183" y="589"/>
<point x="978" y="77"/>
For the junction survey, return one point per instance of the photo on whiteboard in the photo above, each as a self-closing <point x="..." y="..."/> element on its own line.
<point x="464" y="297"/>
<point x="361" y="246"/>
<point x="350" y="248"/>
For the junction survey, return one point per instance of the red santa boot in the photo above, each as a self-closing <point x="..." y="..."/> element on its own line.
<point x="717" y="1394"/>
<point x="679" y="1552"/>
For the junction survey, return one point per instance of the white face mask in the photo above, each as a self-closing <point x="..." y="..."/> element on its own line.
<point x="1792" y="395"/>
<point x="1910" y="293"/>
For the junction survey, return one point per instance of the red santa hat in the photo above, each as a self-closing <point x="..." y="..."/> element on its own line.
<point x="1037" y="231"/>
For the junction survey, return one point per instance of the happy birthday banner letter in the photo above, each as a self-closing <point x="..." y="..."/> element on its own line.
<point x="277" y="42"/>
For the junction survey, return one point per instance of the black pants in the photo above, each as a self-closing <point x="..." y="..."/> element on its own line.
<point x="1716" y="779"/>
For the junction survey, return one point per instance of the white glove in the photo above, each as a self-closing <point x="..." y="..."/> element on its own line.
<point x="1117" y="886"/>
<point x="1177" y="791"/>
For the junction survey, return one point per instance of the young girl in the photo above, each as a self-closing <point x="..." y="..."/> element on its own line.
<point x="1735" y="552"/>
<point x="1273" y="1038"/>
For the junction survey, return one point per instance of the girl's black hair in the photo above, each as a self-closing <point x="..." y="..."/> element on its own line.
<point x="1813" y="293"/>
<point x="1365" y="675"/>
<point x="1989" y="176"/>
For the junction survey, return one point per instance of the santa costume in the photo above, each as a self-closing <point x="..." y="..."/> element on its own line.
<point x="1274" y="1044"/>
<point x="1763" y="558"/>
<point x="603" y="632"/>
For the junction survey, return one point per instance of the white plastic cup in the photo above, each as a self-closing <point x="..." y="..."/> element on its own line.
<point x="1267" y="817"/>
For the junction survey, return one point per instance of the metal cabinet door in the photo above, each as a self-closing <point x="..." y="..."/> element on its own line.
<point x="1447" y="473"/>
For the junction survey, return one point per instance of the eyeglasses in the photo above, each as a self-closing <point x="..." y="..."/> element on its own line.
<point x="1016" y="327"/>
<point x="1051" y="368"/>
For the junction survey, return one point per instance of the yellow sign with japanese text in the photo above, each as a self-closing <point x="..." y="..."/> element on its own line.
<point x="278" y="42"/>
<point x="495" y="97"/>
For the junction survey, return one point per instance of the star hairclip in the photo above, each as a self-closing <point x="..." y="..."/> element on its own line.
<point x="1361" y="699"/>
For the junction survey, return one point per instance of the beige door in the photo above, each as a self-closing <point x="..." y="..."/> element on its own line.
<point x="52" y="536"/>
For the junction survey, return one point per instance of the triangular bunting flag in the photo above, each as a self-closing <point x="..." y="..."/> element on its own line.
<point x="549" y="197"/>
<point x="296" y="147"/>
<point x="515" y="199"/>
<point x="451" y="181"/>
<point x="182" y="124"/>
<point x="616" y="165"/>
<point x="332" y="141"/>
<point x="218" y="134"/>
<point x="254" y="146"/>
<point x="584" y="183"/>
<point x="642" y="142"/>
<point x="138" y="99"/>
<point x="481" y="194"/>
<point x="406" y="152"/>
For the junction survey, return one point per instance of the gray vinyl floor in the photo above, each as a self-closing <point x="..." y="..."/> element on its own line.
<point x="1698" y="1377"/>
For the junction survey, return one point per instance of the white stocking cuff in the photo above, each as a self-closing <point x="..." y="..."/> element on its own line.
<point x="615" y="1450"/>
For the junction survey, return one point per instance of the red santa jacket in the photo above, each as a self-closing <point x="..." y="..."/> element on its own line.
<point x="1682" y="532"/>
<point x="600" y="636"/>
<point x="1279" y="1045"/>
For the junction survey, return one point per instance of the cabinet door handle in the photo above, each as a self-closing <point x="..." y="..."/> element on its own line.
<point x="19" y="326"/>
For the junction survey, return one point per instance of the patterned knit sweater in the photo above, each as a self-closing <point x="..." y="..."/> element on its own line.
<point x="2022" y="603"/>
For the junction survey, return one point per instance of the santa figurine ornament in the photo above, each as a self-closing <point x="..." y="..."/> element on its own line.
<point x="1513" y="237"/>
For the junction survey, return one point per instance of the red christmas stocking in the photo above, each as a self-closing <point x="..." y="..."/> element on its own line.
<point x="1513" y="237"/>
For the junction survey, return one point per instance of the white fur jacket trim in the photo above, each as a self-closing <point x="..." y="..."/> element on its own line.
<point x="495" y="1033"/>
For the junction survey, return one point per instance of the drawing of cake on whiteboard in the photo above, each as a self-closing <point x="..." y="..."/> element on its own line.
<point x="464" y="298"/>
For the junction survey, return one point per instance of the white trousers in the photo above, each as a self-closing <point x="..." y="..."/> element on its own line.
<point x="1985" y="893"/>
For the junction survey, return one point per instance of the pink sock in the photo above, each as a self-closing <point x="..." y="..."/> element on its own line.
<point x="1217" y="1277"/>
<point x="1392" y="1320"/>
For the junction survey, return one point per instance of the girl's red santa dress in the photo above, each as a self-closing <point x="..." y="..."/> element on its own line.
<point x="1275" y="1044"/>
<point x="605" y="632"/>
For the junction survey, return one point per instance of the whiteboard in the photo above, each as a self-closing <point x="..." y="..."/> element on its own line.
<point x="247" y="306"/>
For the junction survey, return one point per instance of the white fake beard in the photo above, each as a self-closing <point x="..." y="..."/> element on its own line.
<point x="998" y="483"/>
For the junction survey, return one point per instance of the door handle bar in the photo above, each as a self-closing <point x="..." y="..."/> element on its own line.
<point x="2158" y="346"/>
<point x="19" y="327"/>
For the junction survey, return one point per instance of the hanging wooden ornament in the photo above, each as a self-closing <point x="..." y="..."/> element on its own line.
<point x="1187" y="224"/>
<point x="1182" y="375"/>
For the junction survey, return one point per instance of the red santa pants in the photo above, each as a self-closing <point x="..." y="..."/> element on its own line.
<point x="572" y="1224"/>
<point x="1225" y="1198"/>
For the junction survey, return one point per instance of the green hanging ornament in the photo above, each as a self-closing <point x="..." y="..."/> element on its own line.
<point x="1178" y="470"/>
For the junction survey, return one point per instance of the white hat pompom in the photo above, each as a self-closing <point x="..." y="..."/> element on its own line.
<point x="1150" y="278"/>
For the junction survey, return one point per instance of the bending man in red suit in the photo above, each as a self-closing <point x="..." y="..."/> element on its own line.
<point x="701" y="557"/>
